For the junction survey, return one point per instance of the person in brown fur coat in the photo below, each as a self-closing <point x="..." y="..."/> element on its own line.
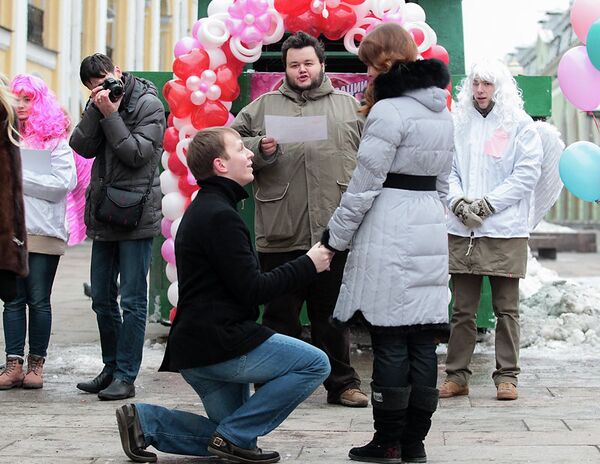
<point x="13" y="234"/>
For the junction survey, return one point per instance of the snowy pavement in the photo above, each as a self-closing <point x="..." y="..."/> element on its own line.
<point x="555" y="420"/>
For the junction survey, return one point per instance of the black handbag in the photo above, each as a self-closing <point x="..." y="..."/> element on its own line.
<point x="120" y="207"/>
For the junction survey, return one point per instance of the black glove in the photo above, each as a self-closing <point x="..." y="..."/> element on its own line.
<point x="482" y="208"/>
<point x="325" y="241"/>
<point x="462" y="211"/>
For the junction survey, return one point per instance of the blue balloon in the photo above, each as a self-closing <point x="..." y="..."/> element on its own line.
<point x="593" y="44"/>
<point x="579" y="169"/>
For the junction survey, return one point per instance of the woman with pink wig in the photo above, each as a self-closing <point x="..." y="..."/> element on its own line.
<point x="43" y="128"/>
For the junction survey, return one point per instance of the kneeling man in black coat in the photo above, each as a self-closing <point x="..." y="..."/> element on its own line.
<point x="215" y="342"/>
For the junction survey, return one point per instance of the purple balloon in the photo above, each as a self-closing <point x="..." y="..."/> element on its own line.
<point x="165" y="227"/>
<point x="579" y="80"/>
<point x="167" y="250"/>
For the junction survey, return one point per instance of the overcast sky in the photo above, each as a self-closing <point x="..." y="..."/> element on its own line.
<point x="494" y="28"/>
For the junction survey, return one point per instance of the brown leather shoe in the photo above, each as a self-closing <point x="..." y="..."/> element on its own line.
<point x="450" y="389"/>
<point x="507" y="392"/>
<point x="353" y="398"/>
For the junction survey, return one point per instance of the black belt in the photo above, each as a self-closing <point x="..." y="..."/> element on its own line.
<point x="407" y="182"/>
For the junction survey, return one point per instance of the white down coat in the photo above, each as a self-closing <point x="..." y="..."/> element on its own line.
<point x="397" y="269"/>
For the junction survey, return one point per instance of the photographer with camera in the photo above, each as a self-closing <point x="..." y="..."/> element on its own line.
<point x="122" y="129"/>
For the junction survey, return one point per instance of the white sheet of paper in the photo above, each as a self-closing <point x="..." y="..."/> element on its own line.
<point x="293" y="129"/>
<point x="37" y="161"/>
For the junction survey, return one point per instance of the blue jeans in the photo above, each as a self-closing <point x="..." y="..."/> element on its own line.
<point x="34" y="292"/>
<point x="121" y="338"/>
<point x="290" y="371"/>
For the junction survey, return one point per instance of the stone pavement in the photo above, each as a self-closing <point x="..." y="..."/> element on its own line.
<point x="556" y="419"/>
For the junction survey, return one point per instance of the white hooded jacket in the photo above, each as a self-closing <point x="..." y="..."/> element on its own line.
<point x="46" y="194"/>
<point x="499" y="163"/>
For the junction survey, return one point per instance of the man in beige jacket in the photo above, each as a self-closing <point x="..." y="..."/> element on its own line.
<point x="297" y="187"/>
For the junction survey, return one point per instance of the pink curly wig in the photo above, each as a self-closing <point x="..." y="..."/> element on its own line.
<point x="47" y="120"/>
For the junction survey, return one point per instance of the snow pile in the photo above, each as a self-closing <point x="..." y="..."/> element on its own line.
<point x="561" y="314"/>
<point x="545" y="227"/>
<point x="537" y="276"/>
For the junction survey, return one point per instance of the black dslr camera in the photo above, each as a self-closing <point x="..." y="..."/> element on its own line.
<point x="114" y="87"/>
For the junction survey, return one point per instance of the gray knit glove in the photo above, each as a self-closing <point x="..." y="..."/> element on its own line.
<point x="481" y="208"/>
<point x="463" y="212"/>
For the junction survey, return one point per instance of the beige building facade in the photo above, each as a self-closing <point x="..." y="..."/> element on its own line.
<point x="49" y="38"/>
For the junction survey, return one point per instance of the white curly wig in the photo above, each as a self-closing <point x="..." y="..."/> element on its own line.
<point x="507" y="96"/>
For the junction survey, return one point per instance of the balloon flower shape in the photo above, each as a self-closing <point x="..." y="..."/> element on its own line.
<point x="250" y="20"/>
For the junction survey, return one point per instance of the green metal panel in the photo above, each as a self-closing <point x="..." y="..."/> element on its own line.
<point x="445" y="17"/>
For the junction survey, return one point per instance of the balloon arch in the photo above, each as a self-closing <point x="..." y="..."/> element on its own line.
<point x="207" y="66"/>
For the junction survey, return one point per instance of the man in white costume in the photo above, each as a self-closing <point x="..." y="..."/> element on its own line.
<point x="496" y="167"/>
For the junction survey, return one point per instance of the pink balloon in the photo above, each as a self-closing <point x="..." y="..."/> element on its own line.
<point x="167" y="250"/>
<point x="165" y="227"/>
<point x="230" y="120"/>
<point x="579" y="80"/>
<point x="186" y="45"/>
<point x="196" y="28"/>
<point x="583" y="14"/>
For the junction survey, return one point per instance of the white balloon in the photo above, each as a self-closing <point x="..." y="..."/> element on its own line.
<point x="217" y="57"/>
<point x="164" y="160"/>
<point x="179" y="123"/>
<point x="168" y="182"/>
<point x="173" y="205"/>
<point x="187" y="131"/>
<point x="209" y="76"/>
<point x="413" y="12"/>
<point x="171" y="272"/>
<point x="194" y="194"/>
<point x="218" y="6"/>
<point x="278" y="30"/>
<point x="213" y="33"/>
<point x="243" y="53"/>
<point x="227" y="105"/>
<point x="193" y="83"/>
<point x="181" y="146"/>
<point x="173" y="293"/>
<point x="214" y="92"/>
<point x="198" y="97"/>
<point x="174" y="227"/>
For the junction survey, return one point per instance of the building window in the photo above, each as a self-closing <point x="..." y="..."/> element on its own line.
<point x="35" y="25"/>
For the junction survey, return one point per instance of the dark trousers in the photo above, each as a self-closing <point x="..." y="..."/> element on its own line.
<point x="400" y="360"/>
<point x="283" y="315"/>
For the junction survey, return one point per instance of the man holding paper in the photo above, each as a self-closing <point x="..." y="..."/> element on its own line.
<point x="304" y="136"/>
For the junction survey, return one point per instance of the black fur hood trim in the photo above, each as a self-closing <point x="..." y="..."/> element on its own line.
<point x="404" y="77"/>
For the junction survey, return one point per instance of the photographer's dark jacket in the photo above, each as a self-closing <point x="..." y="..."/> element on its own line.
<point x="220" y="282"/>
<point x="131" y="143"/>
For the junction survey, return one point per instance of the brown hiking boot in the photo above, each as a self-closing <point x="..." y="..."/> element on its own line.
<point x="507" y="392"/>
<point x="13" y="373"/>
<point x="35" y="372"/>
<point x="450" y="389"/>
<point x="352" y="397"/>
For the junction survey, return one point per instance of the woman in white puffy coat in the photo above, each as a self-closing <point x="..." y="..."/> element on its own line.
<point x="392" y="219"/>
<point x="43" y="126"/>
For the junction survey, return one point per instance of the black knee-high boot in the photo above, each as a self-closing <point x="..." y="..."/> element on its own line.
<point x="389" y="418"/>
<point x="421" y="406"/>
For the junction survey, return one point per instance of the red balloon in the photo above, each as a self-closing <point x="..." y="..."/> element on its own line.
<point x="417" y="35"/>
<point x="340" y="21"/>
<point x="169" y="118"/>
<point x="307" y="22"/>
<point x="176" y="166"/>
<point x="194" y="62"/>
<point x="166" y="89"/>
<point x="436" y="52"/>
<point x="185" y="187"/>
<point x="227" y="80"/>
<point x="210" y="114"/>
<point x="236" y="65"/>
<point x="172" y="314"/>
<point x="291" y="7"/>
<point x="449" y="97"/>
<point x="178" y="98"/>
<point x="170" y="139"/>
